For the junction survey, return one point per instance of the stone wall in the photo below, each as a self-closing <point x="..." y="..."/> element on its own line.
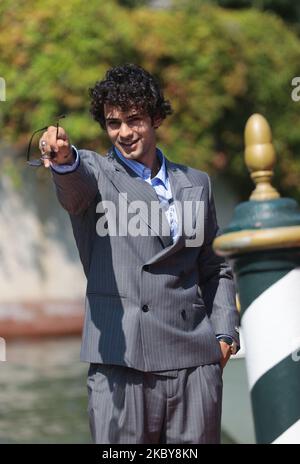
<point x="38" y="257"/>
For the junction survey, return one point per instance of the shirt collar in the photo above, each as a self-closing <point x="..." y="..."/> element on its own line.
<point x="143" y="171"/>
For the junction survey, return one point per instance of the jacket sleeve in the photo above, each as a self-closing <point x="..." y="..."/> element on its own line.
<point x="216" y="280"/>
<point x="77" y="189"/>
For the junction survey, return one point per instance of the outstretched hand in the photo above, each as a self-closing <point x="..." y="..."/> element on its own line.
<point x="55" y="147"/>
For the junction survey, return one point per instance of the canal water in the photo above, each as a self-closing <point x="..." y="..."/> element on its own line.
<point x="43" y="397"/>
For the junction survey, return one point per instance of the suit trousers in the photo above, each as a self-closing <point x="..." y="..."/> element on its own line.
<point x="130" y="406"/>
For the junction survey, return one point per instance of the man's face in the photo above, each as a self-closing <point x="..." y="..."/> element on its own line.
<point x="132" y="132"/>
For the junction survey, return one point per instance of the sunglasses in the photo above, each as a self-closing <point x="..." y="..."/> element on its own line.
<point x="39" y="161"/>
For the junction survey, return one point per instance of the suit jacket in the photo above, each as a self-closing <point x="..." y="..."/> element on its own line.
<point x="151" y="304"/>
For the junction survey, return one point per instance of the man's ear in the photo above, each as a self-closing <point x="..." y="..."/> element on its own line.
<point x="157" y="120"/>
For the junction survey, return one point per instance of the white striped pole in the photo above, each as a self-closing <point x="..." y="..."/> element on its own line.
<point x="263" y="241"/>
<point x="271" y="329"/>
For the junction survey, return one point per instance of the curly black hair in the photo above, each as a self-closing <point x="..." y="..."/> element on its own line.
<point x="128" y="86"/>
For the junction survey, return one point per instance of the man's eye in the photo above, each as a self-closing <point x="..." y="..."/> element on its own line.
<point x="113" y="125"/>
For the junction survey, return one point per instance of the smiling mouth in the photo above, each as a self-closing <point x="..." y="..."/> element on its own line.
<point x="128" y="144"/>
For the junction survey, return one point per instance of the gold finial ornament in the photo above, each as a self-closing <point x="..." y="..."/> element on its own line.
<point x="260" y="157"/>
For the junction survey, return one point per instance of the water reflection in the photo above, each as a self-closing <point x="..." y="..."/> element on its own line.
<point x="43" y="396"/>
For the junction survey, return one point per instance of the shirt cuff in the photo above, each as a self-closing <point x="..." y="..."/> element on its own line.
<point x="65" y="168"/>
<point x="228" y="336"/>
<point x="224" y="335"/>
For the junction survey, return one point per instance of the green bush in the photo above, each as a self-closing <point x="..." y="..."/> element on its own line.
<point x="289" y="10"/>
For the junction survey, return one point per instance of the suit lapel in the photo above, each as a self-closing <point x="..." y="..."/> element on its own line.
<point x="132" y="188"/>
<point x="182" y="190"/>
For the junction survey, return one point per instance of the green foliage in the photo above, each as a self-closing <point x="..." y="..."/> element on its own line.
<point x="289" y="10"/>
<point x="133" y="3"/>
<point x="217" y="67"/>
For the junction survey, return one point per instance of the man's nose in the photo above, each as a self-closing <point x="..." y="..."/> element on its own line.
<point x="125" y="131"/>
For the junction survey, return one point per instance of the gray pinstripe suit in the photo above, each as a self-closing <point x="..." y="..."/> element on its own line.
<point x="151" y="305"/>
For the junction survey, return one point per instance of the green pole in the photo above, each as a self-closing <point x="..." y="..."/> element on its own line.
<point x="263" y="244"/>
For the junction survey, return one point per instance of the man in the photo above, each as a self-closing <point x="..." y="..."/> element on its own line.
<point x="160" y="320"/>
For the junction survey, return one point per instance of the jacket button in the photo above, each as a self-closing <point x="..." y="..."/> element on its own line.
<point x="145" y="308"/>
